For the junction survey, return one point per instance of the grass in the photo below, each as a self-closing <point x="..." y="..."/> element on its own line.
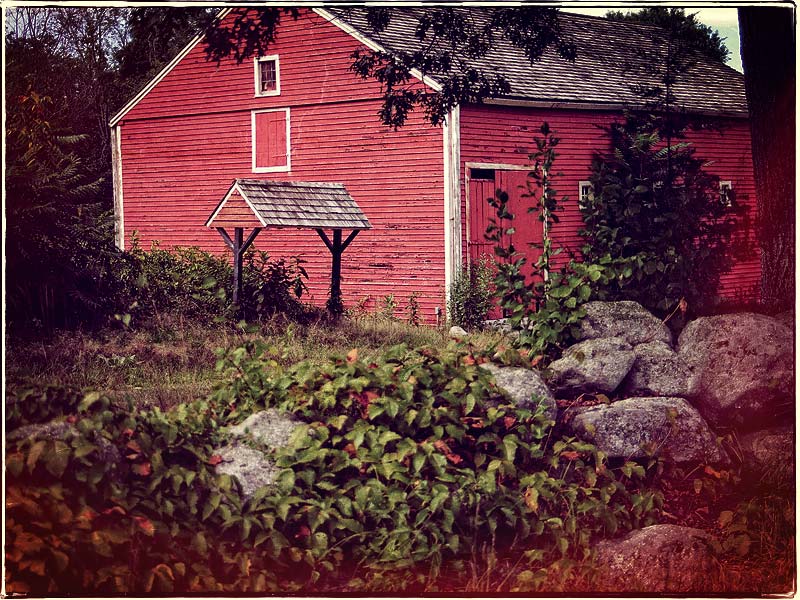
<point x="171" y="361"/>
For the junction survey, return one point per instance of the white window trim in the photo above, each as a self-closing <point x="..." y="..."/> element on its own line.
<point x="279" y="169"/>
<point x="581" y="184"/>
<point x="727" y="184"/>
<point x="257" y="75"/>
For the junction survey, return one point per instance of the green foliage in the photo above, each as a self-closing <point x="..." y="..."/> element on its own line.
<point x="196" y="283"/>
<point x="545" y="305"/>
<point x="62" y="268"/>
<point x="687" y="28"/>
<point x="39" y="405"/>
<point x="415" y="458"/>
<point x="471" y="295"/>
<point x="658" y="214"/>
<point x="403" y="463"/>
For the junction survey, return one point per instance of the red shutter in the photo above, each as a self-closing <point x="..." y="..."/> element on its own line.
<point x="271" y="139"/>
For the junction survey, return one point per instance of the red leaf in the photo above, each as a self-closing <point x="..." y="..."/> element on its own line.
<point x="468" y="359"/>
<point x="145" y="525"/>
<point x="570" y="455"/>
<point x="133" y="445"/>
<point x="453" y="458"/>
<point x="214" y="460"/>
<point x="143" y="469"/>
<point x="441" y="446"/>
<point x="117" y="509"/>
<point x="473" y="422"/>
<point x="72" y="419"/>
<point x="536" y="360"/>
<point x="509" y="422"/>
<point x="303" y="532"/>
<point x="350" y="449"/>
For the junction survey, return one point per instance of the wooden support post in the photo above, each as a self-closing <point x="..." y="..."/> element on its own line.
<point x="337" y="248"/>
<point x="238" y="245"/>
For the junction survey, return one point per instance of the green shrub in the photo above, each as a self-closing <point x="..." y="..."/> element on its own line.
<point x="544" y="306"/>
<point x="416" y="458"/>
<point x="198" y="284"/>
<point x="405" y="462"/>
<point x="471" y="295"/>
<point x="656" y="208"/>
<point x="40" y="405"/>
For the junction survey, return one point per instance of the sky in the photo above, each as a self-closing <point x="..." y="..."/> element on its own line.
<point x="724" y="20"/>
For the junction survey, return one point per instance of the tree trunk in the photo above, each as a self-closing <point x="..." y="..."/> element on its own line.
<point x="768" y="57"/>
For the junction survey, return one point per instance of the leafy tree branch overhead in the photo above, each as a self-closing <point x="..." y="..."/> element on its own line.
<point x="449" y="44"/>
<point x="694" y="34"/>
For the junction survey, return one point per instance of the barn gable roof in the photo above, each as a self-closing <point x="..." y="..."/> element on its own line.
<point x="603" y="74"/>
<point x="301" y="204"/>
<point x="611" y="59"/>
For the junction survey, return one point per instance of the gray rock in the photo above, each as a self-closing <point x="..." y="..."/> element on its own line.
<point x="522" y="385"/>
<point x="768" y="455"/>
<point x="595" y="365"/>
<point x="52" y="430"/>
<point x="657" y="371"/>
<point x="625" y="319"/>
<point x="252" y="468"/>
<point x="668" y="427"/>
<point x="501" y="325"/>
<point x="457" y="332"/>
<point x="61" y="430"/>
<point x="659" y="559"/>
<point x="742" y="369"/>
<point x="270" y="427"/>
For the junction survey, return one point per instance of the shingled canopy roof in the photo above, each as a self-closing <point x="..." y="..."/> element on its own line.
<point x="300" y="204"/>
<point x="611" y="59"/>
<point x="297" y="204"/>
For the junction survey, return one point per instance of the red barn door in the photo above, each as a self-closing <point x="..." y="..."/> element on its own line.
<point x="528" y="229"/>
<point x="481" y="187"/>
<point x="528" y="235"/>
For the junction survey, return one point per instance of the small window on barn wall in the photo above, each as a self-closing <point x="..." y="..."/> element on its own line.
<point x="268" y="76"/>
<point x="585" y="193"/>
<point x="726" y="192"/>
<point x="271" y="146"/>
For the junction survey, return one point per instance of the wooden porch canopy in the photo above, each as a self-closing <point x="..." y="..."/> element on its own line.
<point x="288" y="204"/>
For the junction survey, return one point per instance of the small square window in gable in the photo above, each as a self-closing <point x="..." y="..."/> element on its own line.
<point x="271" y="144"/>
<point x="267" y="76"/>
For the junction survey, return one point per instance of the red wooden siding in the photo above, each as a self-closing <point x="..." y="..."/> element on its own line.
<point x="270" y="139"/>
<point x="504" y="135"/>
<point x="186" y="141"/>
<point x="235" y="213"/>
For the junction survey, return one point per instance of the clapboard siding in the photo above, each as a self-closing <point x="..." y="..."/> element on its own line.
<point x="505" y="135"/>
<point x="186" y="141"/>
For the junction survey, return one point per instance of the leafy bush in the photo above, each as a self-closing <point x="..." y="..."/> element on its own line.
<point x="471" y="295"/>
<point x="404" y="463"/>
<point x="416" y="458"/>
<point x="196" y="283"/>
<point x="655" y="208"/>
<point x="544" y="305"/>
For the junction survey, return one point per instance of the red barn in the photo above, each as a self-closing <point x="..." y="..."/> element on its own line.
<point x="300" y="114"/>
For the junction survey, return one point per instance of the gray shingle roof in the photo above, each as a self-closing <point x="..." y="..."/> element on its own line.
<point x="611" y="57"/>
<point x="303" y="204"/>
